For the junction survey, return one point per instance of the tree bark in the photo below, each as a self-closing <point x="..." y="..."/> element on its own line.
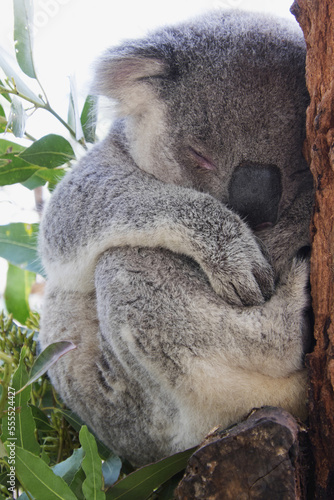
<point x="316" y="18"/>
<point x="258" y="459"/>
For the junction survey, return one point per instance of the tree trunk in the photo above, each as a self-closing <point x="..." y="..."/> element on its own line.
<point x="316" y="18"/>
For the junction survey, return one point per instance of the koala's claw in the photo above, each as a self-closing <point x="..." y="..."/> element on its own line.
<point x="244" y="287"/>
<point x="241" y="274"/>
<point x="264" y="276"/>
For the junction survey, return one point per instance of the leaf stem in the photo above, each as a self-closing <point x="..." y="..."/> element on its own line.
<point x="47" y="107"/>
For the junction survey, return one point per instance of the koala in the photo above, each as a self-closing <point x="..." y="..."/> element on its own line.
<point x="173" y="248"/>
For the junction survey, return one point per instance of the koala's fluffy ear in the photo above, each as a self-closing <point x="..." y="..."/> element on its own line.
<point x="126" y="79"/>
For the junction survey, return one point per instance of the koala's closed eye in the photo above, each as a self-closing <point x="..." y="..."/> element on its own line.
<point x="201" y="160"/>
<point x="255" y="192"/>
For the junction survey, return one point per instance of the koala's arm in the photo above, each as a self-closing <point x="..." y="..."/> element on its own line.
<point x="184" y="313"/>
<point x="102" y="205"/>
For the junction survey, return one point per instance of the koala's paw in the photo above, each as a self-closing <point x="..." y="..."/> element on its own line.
<point x="241" y="274"/>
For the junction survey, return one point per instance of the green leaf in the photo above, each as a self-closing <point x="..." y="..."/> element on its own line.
<point x="37" y="478"/>
<point x="3" y="451"/>
<point x="18" y="244"/>
<point x="68" y="468"/>
<point x="77" y="423"/>
<point x="50" y="151"/>
<point x="4" y="477"/>
<point x="89" y="118"/>
<point x="6" y="96"/>
<point x="41" y="420"/>
<point x="111" y="469"/>
<point x="45" y="457"/>
<point x="9" y="68"/>
<point x="17" y="118"/>
<point x="141" y="483"/>
<point x="42" y="176"/>
<point x="72" y="419"/>
<point x="7" y="147"/>
<point x="47" y="358"/>
<point x="3" y="120"/>
<point x="13" y="169"/>
<point x="73" y="118"/>
<point x="92" y="487"/>
<point x="23" y="16"/>
<point x="24" y="496"/>
<point x="166" y="491"/>
<point x="76" y="484"/>
<point x="20" y="429"/>
<point x="19" y="283"/>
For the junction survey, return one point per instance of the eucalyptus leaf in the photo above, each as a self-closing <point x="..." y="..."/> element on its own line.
<point x="43" y="176"/>
<point x="23" y="16"/>
<point x="89" y="118"/>
<point x="18" y="244"/>
<point x="3" y="476"/>
<point x="41" y="420"/>
<point x="141" y="483"/>
<point x="72" y="419"/>
<point x="92" y="486"/>
<point x="17" y="118"/>
<point x="14" y="169"/>
<point x="50" y="151"/>
<point x="3" y="451"/>
<point x="45" y="457"/>
<point x="3" y="120"/>
<point x="73" y="111"/>
<point x="76" y="484"/>
<point x="5" y="95"/>
<point x="18" y="287"/>
<point x="47" y="358"/>
<point x="7" y="147"/>
<point x="24" y="496"/>
<point x="166" y="491"/>
<point x="11" y="69"/>
<point x="77" y="423"/>
<point x="37" y="478"/>
<point x="23" y="430"/>
<point x="111" y="469"/>
<point x="69" y="467"/>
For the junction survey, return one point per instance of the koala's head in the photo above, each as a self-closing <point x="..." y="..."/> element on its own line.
<point x="217" y="104"/>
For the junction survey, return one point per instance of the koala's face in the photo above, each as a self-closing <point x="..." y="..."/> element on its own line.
<point x="218" y="106"/>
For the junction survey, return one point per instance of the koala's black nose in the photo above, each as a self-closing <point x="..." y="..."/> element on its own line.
<point x="255" y="191"/>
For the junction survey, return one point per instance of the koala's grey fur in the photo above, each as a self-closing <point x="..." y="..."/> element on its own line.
<point x="171" y="248"/>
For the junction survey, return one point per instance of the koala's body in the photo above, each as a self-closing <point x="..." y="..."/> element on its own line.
<point x="170" y="248"/>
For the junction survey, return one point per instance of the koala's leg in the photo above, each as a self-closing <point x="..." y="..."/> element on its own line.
<point x="130" y="416"/>
<point x="209" y="362"/>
